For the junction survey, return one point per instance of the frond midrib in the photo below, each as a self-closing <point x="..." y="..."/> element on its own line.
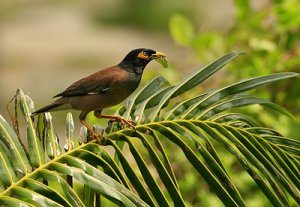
<point x="42" y="167"/>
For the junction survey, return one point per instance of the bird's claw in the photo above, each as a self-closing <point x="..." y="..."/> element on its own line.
<point x="123" y="122"/>
<point x="96" y="136"/>
<point x="93" y="134"/>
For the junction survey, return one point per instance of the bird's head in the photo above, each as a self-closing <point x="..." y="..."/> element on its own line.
<point x="137" y="59"/>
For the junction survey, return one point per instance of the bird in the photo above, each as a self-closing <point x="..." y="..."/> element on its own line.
<point x="104" y="88"/>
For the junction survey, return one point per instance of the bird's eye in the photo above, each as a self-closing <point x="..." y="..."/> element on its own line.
<point x="145" y="53"/>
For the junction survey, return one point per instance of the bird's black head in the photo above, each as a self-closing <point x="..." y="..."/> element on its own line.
<point x="137" y="59"/>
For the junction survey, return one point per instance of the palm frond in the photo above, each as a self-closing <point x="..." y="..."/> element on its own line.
<point x="134" y="167"/>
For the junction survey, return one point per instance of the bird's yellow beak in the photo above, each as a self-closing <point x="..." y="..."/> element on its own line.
<point x="158" y="55"/>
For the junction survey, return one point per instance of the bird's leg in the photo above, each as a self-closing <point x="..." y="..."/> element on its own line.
<point x="94" y="134"/>
<point x="115" y="118"/>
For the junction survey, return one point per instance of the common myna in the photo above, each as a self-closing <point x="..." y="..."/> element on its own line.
<point x="105" y="88"/>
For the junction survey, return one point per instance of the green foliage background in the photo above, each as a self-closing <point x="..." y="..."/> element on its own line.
<point x="270" y="36"/>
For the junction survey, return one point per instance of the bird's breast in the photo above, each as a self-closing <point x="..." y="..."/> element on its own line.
<point x="122" y="88"/>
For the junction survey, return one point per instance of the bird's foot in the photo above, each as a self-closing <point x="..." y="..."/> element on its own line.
<point x="120" y="119"/>
<point x="97" y="137"/>
<point x="94" y="135"/>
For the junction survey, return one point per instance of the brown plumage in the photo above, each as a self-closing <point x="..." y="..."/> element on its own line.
<point x="105" y="88"/>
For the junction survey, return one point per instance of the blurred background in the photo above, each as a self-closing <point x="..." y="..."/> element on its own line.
<point x="47" y="45"/>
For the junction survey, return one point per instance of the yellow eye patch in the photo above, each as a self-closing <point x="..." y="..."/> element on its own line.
<point x="143" y="55"/>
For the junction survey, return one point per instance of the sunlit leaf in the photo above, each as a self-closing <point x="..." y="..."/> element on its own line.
<point x="7" y="174"/>
<point x="18" y="157"/>
<point x="36" y="151"/>
<point x="51" y="140"/>
<point x="192" y="81"/>
<point x="69" y="132"/>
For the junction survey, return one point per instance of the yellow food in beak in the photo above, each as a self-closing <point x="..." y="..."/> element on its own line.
<point x="161" y="59"/>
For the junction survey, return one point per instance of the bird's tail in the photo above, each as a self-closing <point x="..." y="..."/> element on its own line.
<point x="47" y="108"/>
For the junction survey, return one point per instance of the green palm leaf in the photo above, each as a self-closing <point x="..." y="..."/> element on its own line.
<point x="17" y="153"/>
<point x="137" y="167"/>
<point x="35" y="149"/>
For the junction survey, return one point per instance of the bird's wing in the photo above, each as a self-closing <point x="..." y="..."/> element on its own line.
<point x="96" y="83"/>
